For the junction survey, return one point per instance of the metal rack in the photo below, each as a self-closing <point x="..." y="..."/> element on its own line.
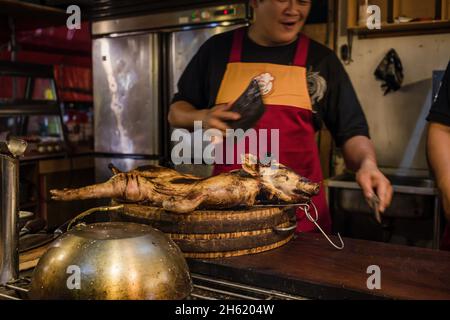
<point x="19" y="108"/>
<point x="205" y="288"/>
<point x="27" y="106"/>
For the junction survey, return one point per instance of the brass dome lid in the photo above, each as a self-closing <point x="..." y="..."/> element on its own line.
<point x="112" y="261"/>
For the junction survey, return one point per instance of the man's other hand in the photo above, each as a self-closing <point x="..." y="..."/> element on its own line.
<point x="216" y="117"/>
<point x="373" y="181"/>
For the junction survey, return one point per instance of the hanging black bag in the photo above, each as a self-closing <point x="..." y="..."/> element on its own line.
<point x="390" y="72"/>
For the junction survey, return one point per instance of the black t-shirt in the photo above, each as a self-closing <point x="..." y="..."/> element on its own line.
<point x="440" y="111"/>
<point x="331" y="91"/>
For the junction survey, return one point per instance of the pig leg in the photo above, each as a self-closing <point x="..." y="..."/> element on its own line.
<point x="184" y="205"/>
<point x="125" y="186"/>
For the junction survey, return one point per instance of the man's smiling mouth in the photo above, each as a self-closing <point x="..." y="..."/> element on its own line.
<point x="289" y="24"/>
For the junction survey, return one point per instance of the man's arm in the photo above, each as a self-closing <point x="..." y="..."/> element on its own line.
<point x="345" y="119"/>
<point x="359" y="155"/>
<point x="182" y="114"/>
<point x="439" y="157"/>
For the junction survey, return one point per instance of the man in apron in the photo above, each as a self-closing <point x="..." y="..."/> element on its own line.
<point x="439" y="147"/>
<point x="302" y="83"/>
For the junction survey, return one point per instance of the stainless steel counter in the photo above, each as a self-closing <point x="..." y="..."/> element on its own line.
<point x="415" y="199"/>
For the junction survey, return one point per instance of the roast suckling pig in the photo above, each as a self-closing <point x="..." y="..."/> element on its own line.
<point x="183" y="193"/>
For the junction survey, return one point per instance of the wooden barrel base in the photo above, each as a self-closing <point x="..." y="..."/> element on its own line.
<point x="208" y="221"/>
<point x="236" y="253"/>
<point x="229" y="242"/>
<point x="207" y="234"/>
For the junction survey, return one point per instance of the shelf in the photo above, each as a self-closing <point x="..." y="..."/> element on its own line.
<point x="27" y="107"/>
<point x="25" y="164"/>
<point x="403" y="29"/>
<point x="23" y="69"/>
<point x="428" y="17"/>
<point x="44" y="156"/>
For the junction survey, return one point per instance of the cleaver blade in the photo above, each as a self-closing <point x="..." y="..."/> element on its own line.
<point x="250" y="106"/>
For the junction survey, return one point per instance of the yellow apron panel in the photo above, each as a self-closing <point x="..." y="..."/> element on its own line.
<point x="281" y="85"/>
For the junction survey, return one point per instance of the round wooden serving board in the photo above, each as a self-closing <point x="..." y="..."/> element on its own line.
<point x="218" y="233"/>
<point x="209" y="221"/>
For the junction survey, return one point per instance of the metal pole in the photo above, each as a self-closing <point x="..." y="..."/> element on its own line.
<point x="10" y="152"/>
<point x="9" y="240"/>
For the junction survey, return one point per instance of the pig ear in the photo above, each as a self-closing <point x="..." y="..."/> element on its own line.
<point x="272" y="163"/>
<point x="250" y="164"/>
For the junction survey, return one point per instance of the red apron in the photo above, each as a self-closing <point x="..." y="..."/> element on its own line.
<point x="289" y="110"/>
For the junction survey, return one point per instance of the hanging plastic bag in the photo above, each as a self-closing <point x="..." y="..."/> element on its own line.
<point x="390" y="72"/>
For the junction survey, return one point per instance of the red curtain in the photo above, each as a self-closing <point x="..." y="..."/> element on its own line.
<point x="74" y="83"/>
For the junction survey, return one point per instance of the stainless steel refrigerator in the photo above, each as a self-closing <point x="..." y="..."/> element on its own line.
<point x="137" y="62"/>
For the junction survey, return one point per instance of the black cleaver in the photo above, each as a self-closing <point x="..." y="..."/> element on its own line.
<point x="250" y="106"/>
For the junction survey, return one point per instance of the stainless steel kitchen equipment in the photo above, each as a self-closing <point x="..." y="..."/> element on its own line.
<point x="137" y="62"/>
<point x="414" y="217"/>
<point x="9" y="208"/>
<point x="125" y="102"/>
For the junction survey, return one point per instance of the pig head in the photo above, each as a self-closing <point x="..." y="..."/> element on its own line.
<point x="280" y="182"/>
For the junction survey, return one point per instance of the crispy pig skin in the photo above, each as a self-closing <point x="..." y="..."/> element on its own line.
<point x="183" y="193"/>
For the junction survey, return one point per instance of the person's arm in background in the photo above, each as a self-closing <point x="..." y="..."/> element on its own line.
<point x="439" y="158"/>
<point x="359" y="155"/>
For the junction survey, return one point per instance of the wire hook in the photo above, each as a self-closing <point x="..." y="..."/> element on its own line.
<point x="306" y="208"/>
